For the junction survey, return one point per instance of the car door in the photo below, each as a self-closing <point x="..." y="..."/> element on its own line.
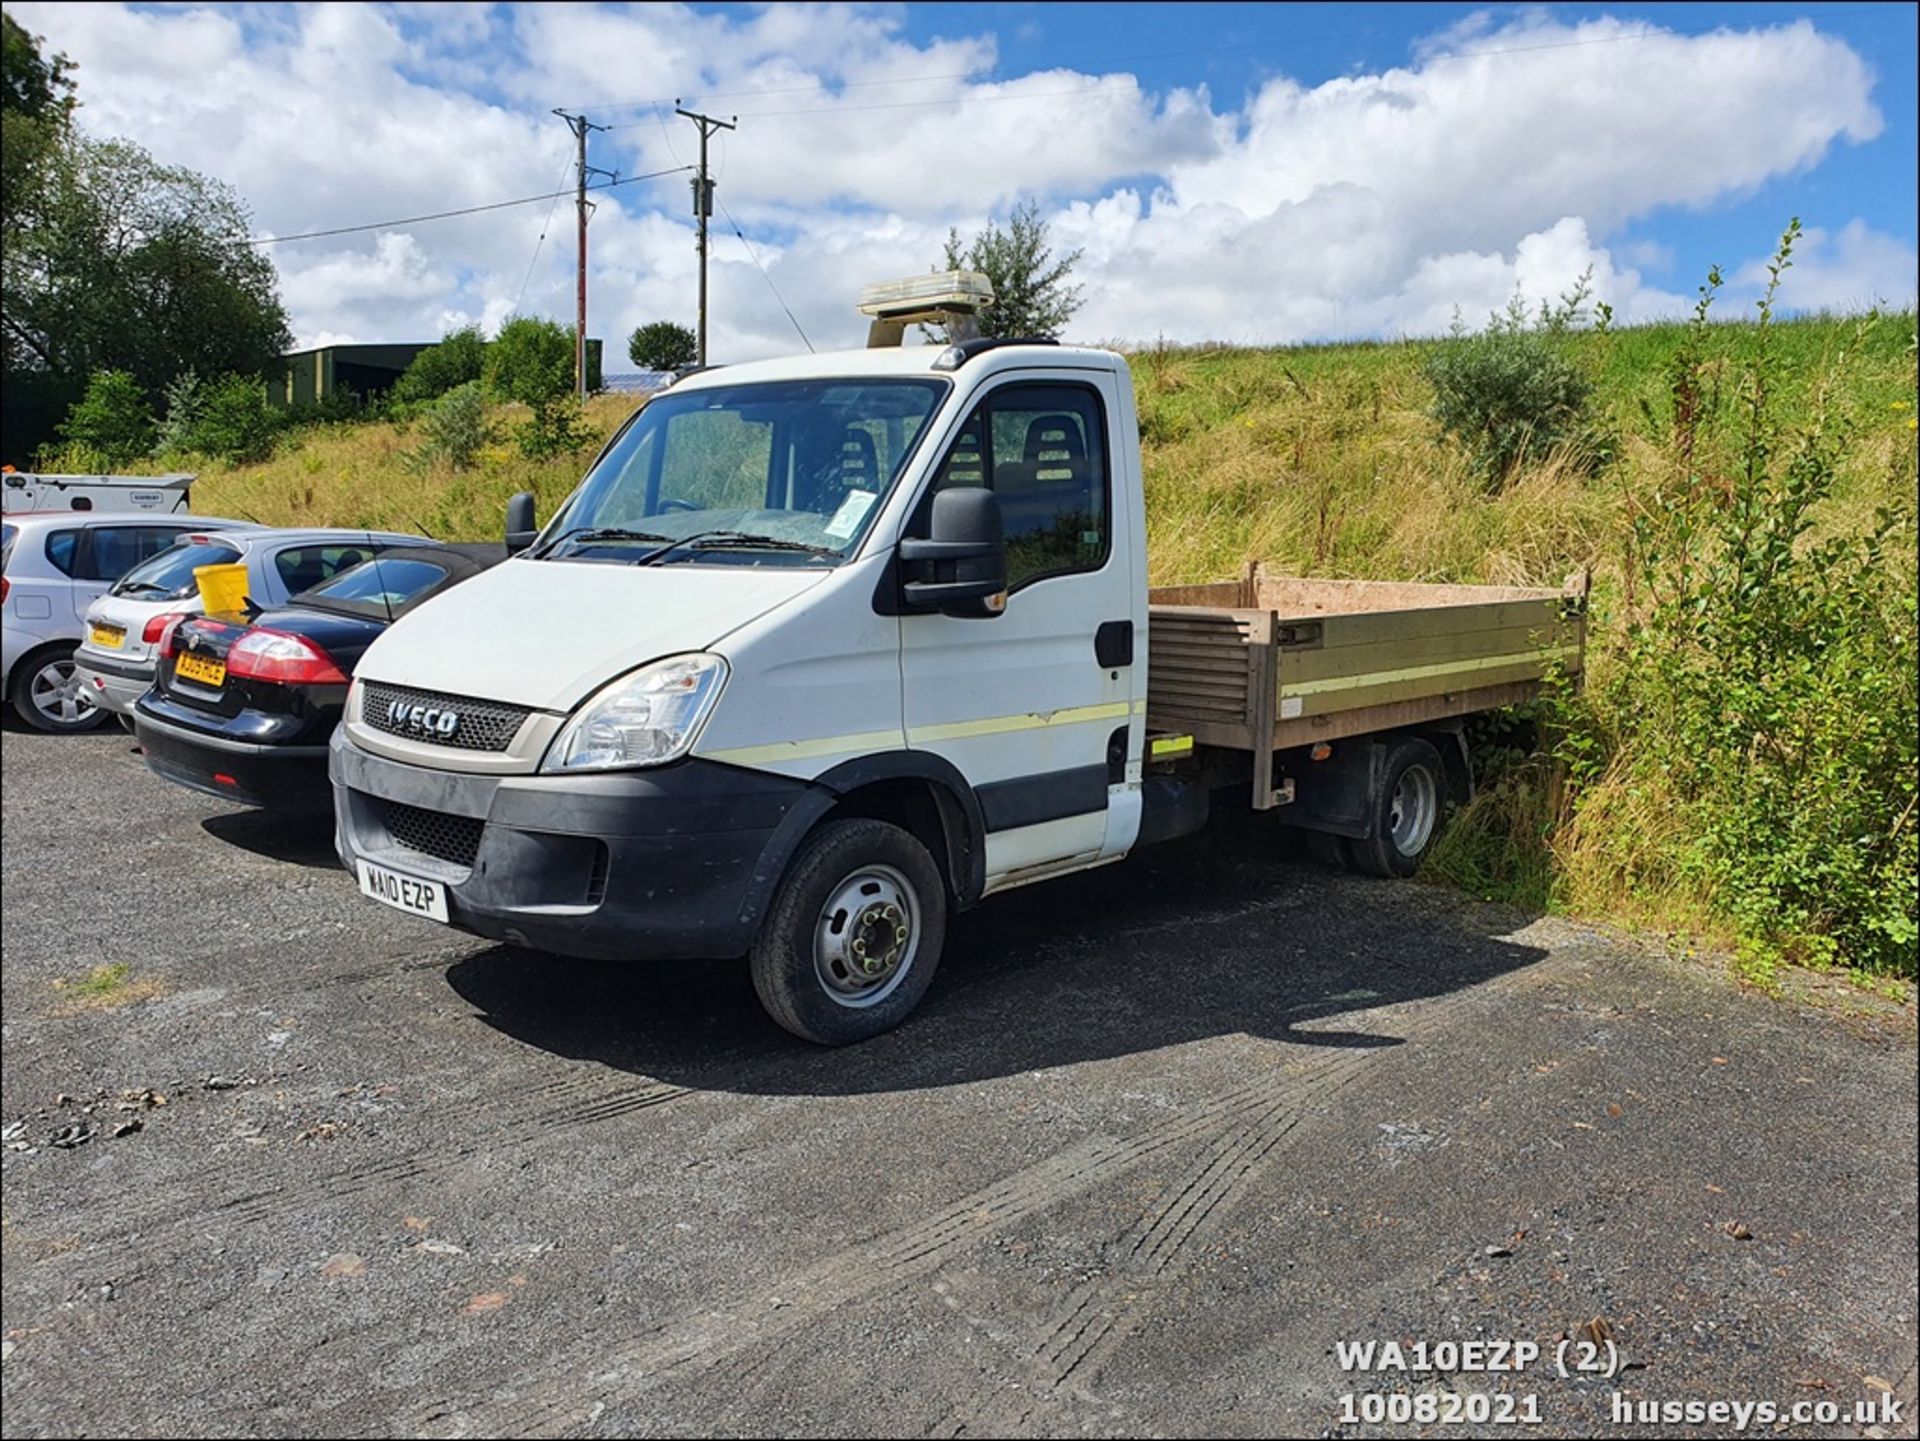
<point x="1034" y="706"/>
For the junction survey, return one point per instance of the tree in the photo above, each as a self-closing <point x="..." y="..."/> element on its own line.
<point x="116" y="262"/>
<point x="1030" y="291"/>
<point x="531" y="361"/>
<point x="662" y="345"/>
<point x="36" y="100"/>
<point x="461" y="356"/>
<point x="113" y="419"/>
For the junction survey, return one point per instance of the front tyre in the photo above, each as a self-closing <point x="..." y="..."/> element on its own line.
<point x="854" y="934"/>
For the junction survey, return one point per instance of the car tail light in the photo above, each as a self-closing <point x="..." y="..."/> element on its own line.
<point x="282" y="659"/>
<point x="157" y="627"/>
<point x="169" y="628"/>
<point x="5" y="586"/>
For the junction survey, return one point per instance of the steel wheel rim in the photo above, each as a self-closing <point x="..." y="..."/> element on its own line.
<point x="866" y="937"/>
<point x="56" y="693"/>
<point x="1416" y="806"/>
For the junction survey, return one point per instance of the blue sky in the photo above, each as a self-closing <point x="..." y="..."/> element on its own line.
<point x="1241" y="172"/>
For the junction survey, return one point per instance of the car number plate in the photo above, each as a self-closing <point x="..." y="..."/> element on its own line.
<point x="109" y="636"/>
<point x="197" y="668"/>
<point x="404" y="893"/>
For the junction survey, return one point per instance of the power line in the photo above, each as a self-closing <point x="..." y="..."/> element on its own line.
<point x="766" y="277"/>
<point x="545" y="226"/>
<point x="452" y="214"/>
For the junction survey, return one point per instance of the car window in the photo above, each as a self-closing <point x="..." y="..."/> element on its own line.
<point x="169" y="575"/>
<point x="378" y="586"/>
<point x="1042" y="450"/>
<point x="302" y="567"/>
<point x="63" y="550"/>
<point x="117" y="549"/>
<point x="7" y="533"/>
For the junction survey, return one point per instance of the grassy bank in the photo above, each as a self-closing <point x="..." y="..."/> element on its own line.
<point x="1786" y="833"/>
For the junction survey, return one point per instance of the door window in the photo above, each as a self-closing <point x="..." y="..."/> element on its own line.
<point x="117" y="549"/>
<point x="302" y="567"/>
<point x="1042" y="450"/>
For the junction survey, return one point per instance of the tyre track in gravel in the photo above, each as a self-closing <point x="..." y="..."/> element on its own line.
<point x="1236" y="1132"/>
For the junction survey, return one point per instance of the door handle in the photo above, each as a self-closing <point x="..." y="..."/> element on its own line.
<point x="1113" y="644"/>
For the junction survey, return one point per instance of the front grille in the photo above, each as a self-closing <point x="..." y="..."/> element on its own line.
<point x="484" y="725"/>
<point x="454" y="839"/>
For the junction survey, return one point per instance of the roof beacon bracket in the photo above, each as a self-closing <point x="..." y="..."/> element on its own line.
<point x="952" y="298"/>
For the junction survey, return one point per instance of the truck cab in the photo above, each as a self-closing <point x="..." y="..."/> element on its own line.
<point x="820" y="649"/>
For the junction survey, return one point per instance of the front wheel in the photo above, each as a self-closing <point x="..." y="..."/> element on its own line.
<point x="48" y="695"/>
<point x="1406" y="811"/>
<point x="854" y="934"/>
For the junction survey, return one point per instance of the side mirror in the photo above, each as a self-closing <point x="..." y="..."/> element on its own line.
<point x="961" y="568"/>
<point x="520" y="527"/>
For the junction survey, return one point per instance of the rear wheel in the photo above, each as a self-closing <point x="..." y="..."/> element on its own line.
<point x="1328" y="849"/>
<point x="854" y="934"/>
<point x="48" y="696"/>
<point x="1406" y="811"/>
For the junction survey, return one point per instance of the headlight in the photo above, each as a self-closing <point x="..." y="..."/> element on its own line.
<point x="647" y="717"/>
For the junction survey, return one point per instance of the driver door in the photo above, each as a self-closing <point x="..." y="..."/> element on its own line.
<point x="1032" y="708"/>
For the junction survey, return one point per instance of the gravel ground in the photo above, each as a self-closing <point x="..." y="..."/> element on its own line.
<point x="1160" y="1138"/>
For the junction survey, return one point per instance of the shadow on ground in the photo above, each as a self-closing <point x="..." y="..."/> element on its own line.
<point x="1227" y="932"/>
<point x="296" y="838"/>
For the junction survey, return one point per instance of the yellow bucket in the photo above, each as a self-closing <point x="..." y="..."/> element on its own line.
<point x="223" y="588"/>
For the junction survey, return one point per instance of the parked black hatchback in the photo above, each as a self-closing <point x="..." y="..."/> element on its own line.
<point x="242" y="706"/>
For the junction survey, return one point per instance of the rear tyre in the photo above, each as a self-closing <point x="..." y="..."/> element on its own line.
<point x="47" y="695"/>
<point x="1405" y="811"/>
<point x="854" y="934"/>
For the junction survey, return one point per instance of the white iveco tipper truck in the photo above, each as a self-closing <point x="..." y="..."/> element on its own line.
<point x="825" y="648"/>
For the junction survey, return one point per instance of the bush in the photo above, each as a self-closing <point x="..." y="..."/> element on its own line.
<point x="556" y="428"/>
<point x="531" y="361"/>
<point x="457" y="428"/>
<point x="1510" y="394"/>
<point x="663" y="345"/>
<point x="1763" y="690"/>
<point x="460" y="357"/>
<point x="112" y="420"/>
<point x="229" y="419"/>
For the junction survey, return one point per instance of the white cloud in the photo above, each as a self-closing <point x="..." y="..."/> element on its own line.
<point x="1373" y="203"/>
<point x="1854" y="270"/>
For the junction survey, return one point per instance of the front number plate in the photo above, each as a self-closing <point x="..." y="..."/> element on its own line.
<point x="404" y="893"/>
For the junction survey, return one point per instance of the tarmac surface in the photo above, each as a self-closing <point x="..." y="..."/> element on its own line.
<point x="1160" y="1140"/>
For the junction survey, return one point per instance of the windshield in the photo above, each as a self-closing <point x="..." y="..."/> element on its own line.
<point x="169" y="575"/>
<point x="376" y="587"/>
<point x="788" y="472"/>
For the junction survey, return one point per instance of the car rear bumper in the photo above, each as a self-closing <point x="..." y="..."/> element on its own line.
<point x="678" y="862"/>
<point x="286" y="777"/>
<point x="113" y="686"/>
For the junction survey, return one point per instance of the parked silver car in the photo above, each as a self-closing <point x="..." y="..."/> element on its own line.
<point x="118" y="653"/>
<point x="53" y="565"/>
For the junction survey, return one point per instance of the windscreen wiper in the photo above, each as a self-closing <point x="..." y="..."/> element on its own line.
<point x="734" y="537"/>
<point x="594" y="532"/>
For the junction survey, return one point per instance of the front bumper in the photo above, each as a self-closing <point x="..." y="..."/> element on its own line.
<point x="673" y="863"/>
<point x="272" y="777"/>
<point x="113" y="686"/>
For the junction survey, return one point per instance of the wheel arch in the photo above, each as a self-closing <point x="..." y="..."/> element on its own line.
<point x="922" y="793"/>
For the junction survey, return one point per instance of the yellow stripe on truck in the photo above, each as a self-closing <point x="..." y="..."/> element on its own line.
<point x="919" y="735"/>
<point x="1424" y="672"/>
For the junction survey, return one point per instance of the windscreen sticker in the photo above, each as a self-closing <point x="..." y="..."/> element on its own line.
<point x="853" y="510"/>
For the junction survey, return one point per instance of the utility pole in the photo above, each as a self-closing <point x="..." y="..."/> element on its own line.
<point x="703" y="206"/>
<point x="580" y="126"/>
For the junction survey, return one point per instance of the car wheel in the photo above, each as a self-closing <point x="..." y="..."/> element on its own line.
<point x="854" y="934"/>
<point x="48" y="696"/>
<point x="1329" y="850"/>
<point x="1406" y="811"/>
